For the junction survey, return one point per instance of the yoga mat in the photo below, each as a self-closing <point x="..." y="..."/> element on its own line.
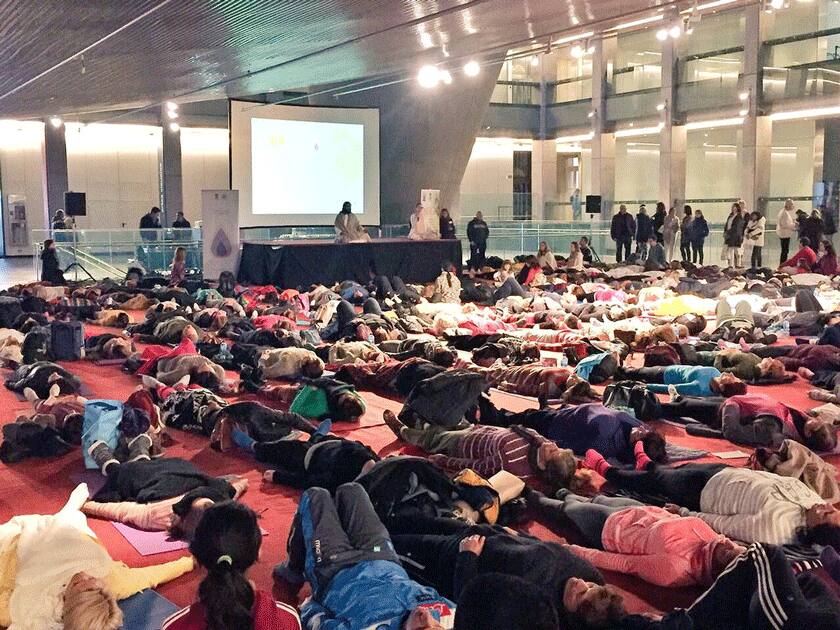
<point x="681" y="453"/>
<point x="149" y="543"/>
<point x="146" y="610"/>
<point x="93" y="478"/>
<point x="152" y="543"/>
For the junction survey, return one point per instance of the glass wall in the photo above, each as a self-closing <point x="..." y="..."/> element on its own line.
<point x="638" y="62"/>
<point x="519" y="82"/>
<point x="637" y="169"/>
<point x="574" y="177"/>
<point x="713" y="170"/>
<point x="573" y="80"/>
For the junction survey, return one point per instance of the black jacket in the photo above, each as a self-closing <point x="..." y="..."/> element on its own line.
<point x="477" y="232"/>
<point x="812" y="228"/>
<point x="334" y="462"/>
<point x="733" y="233"/>
<point x="644" y="227"/>
<point x="181" y="223"/>
<point x="50" y="270"/>
<point x="447" y="228"/>
<point x="623" y="227"/>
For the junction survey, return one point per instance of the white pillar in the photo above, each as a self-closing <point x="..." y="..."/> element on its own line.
<point x="603" y="137"/>
<point x="543" y="177"/>
<point x="757" y="129"/>
<point x="672" y="138"/>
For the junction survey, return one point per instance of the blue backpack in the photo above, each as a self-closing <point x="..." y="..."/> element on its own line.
<point x="102" y="421"/>
<point x="597" y="368"/>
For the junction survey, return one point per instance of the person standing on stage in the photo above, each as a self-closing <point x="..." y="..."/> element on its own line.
<point x="477" y="233"/>
<point x="447" y="225"/>
<point x="347" y="227"/>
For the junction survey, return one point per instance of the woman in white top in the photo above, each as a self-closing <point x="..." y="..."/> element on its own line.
<point x="347" y="227"/>
<point x="575" y="260"/>
<point x="754" y="239"/>
<point x="504" y="272"/>
<point x="670" y="227"/>
<point x="447" y="285"/>
<point x="424" y="224"/>
<point x="546" y="257"/>
<point x="785" y="226"/>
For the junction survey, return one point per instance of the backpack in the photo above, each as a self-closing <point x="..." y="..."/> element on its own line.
<point x="67" y="341"/>
<point x="102" y="421"/>
<point x="634" y="396"/>
<point x="597" y="368"/>
<point x="661" y="354"/>
<point x="227" y="284"/>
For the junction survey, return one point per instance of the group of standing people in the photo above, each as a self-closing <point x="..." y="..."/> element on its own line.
<point x="663" y="228"/>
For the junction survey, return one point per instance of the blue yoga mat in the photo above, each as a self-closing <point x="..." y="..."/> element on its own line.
<point x="146" y="611"/>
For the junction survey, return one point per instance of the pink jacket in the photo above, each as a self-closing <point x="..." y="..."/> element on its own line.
<point x="657" y="546"/>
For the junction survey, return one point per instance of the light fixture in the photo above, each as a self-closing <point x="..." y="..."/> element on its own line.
<point x="572" y="38"/>
<point x="640" y="131"/>
<point x="744" y="96"/>
<point x="577" y="51"/>
<point x="174" y="127"/>
<point x="471" y="68"/>
<point x="428" y="76"/>
<point x="591" y="114"/>
<point x="662" y="34"/>
<point x="711" y="124"/>
<point x="579" y="138"/>
<point x="817" y="112"/>
<point x="445" y="77"/>
<point x="172" y="113"/>
<point x="675" y="31"/>
<point x="708" y="5"/>
<point x="660" y="107"/>
<point x="744" y="112"/>
<point x="55" y="121"/>
<point x="535" y="61"/>
<point x="777" y="4"/>
<point x="639" y="22"/>
<point x="171" y="105"/>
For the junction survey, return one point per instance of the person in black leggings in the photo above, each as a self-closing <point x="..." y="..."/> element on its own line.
<point x="699" y="409"/>
<point x="681" y="485"/>
<point x="508" y="288"/>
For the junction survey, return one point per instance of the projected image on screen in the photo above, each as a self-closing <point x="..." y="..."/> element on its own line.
<point x="304" y="167"/>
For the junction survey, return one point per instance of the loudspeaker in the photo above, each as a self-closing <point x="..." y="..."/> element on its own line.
<point x="593" y="204"/>
<point x="75" y="204"/>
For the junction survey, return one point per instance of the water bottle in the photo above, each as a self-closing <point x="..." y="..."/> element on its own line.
<point x="564" y="360"/>
<point x="223" y="348"/>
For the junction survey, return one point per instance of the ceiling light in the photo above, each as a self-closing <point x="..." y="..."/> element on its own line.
<point x="580" y="138"/>
<point x="662" y="34"/>
<point x="471" y="68"/>
<point x="535" y="61"/>
<point x="172" y="113"/>
<point x="777" y="4"/>
<point x="445" y="77"/>
<point x="428" y="76"/>
<point x="675" y="31"/>
<point x="743" y="112"/>
<point x="641" y="131"/>
<point x="577" y="51"/>
<point x="708" y="5"/>
<point x="572" y="38"/>
<point x="639" y="22"/>
<point x="171" y="105"/>
<point x="710" y="124"/>
<point x="744" y="96"/>
<point x="174" y="127"/>
<point x="817" y="112"/>
<point x="660" y="107"/>
<point x="591" y="114"/>
<point x="55" y="121"/>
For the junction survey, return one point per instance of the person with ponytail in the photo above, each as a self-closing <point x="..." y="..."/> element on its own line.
<point x="447" y="285"/>
<point x="226" y="544"/>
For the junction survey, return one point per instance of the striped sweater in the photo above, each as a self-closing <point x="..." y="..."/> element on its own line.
<point x="487" y="450"/>
<point x="756" y="506"/>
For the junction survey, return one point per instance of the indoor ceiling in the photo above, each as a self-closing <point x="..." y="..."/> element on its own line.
<point x="138" y="53"/>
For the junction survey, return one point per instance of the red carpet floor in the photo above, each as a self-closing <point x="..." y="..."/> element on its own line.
<point x="42" y="486"/>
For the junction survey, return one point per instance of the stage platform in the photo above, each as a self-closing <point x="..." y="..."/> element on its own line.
<point x="302" y="263"/>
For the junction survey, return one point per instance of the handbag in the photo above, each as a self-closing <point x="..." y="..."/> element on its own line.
<point x="635" y="396"/>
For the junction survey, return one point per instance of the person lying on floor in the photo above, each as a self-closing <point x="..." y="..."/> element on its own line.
<point x="195" y="368"/>
<point x="487" y="450"/>
<point x="55" y="573"/>
<point x="448" y="553"/>
<point x="226" y="544"/>
<point x="745" y="365"/>
<point x="323" y="461"/>
<point x="736" y="325"/>
<point x="171" y="329"/>
<point x="345" y="553"/>
<point x="815" y="359"/>
<point x="757" y="590"/>
<point x="108" y="346"/>
<point x="318" y="399"/>
<point x="538" y="381"/>
<point x="430" y="349"/>
<point x="156" y="494"/>
<point x="290" y="363"/>
<point x="754" y="420"/>
<point x="685" y="380"/>
<point x="497" y="600"/>
<point x="509" y="350"/>
<point x="611" y="432"/>
<point x="398" y="377"/>
<point x="342" y="352"/>
<point x="626" y="536"/>
<point x="743" y="504"/>
<point x="40" y="377"/>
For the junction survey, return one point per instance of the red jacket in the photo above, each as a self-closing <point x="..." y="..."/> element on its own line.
<point x="657" y="546"/>
<point x="804" y="259"/>
<point x="266" y="613"/>
<point x="814" y="358"/>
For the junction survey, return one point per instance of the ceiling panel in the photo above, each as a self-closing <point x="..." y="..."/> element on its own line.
<point x="193" y="49"/>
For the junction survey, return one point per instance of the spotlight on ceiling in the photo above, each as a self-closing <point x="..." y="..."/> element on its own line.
<point x="471" y="68"/>
<point x="55" y="121"/>
<point x="445" y="77"/>
<point x="577" y="51"/>
<point x="174" y="127"/>
<point x="171" y="105"/>
<point x="777" y="4"/>
<point x="535" y="61"/>
<point x="662" y="34"/>
<point x="172" y="113"/>
<point x="428" y="76"/>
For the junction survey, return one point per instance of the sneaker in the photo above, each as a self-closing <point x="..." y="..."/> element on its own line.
<point x="673" y="393"/>
<point x="393" y="422"/>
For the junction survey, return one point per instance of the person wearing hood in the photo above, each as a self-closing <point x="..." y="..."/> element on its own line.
<point x="50" y="268"/>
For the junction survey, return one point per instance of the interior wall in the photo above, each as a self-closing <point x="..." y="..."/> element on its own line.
<point x="637" y="168"/>
<point x="713" y="170"/>
<point x="23" y="172"/>
<point x="204" y="165"/>
<point x="792" y="158"/>
<point x="118" y="166"/>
